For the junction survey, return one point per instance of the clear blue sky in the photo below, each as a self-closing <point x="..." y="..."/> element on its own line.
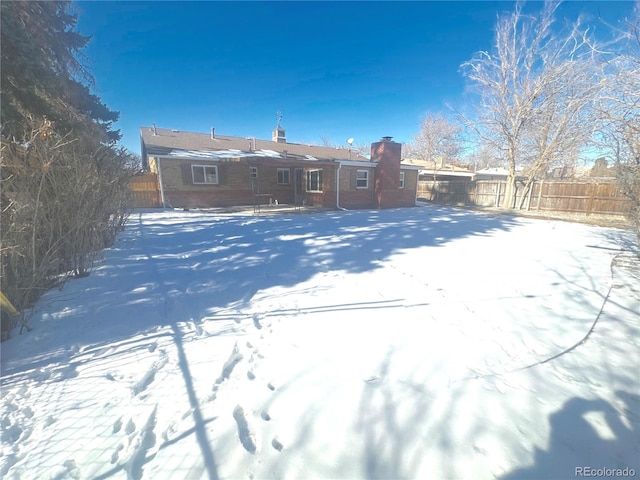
<point x="334" y="69"/>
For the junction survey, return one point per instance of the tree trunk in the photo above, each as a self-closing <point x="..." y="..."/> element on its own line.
<point x="510" y="192"/>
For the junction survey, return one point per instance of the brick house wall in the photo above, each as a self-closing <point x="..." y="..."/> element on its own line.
<point x="352" y="196"/>
<point x="237" y="186"/>
<point x="407" y="195"/>
<point x="251" y="180"/>
<point x="180" y="191"/>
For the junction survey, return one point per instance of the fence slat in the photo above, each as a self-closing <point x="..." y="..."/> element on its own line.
<point x="145" y="191"/>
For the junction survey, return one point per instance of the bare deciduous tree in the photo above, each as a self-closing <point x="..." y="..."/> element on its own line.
<point x="536" y="88"/>
<point x="619" y="112"/>
<point x="439" y="140"/>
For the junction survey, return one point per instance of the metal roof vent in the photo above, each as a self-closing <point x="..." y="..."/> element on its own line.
<point x="386" y="139"/>
<point x="155" y="131"/>
<point x="213" y="133"/>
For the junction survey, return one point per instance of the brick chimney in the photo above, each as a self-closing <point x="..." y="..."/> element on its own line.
<point x="387" y="154"/>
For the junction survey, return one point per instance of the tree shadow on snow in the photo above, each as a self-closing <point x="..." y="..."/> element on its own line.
<point x="177" y="273"/>
<point x="162" y="271"/>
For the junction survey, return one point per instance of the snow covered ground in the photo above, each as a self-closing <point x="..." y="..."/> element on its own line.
<point x="409" y="343"/>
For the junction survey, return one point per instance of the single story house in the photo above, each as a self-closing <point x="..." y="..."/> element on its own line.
<point x="492" y="173"/>
<point x="439" y="171"/>
<point x="211" y="170"/>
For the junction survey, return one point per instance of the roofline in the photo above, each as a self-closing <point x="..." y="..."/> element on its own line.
<point x="447" y="172"/>
<point x="357" y="163"/>
<point x="246" y="157"/>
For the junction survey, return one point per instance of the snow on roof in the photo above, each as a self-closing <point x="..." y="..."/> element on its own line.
<point x="178" y="144"/>
<point x="450" y="173"/>
<point x="493" y="171"/>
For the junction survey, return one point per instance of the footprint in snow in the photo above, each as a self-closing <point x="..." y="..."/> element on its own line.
<point x="117" y="426"/>
<point x="235" y="357"/>
<point x="256" y="320"/>
<point x="130" y="428"/>
<point x="72" y="469"/>
<point x="116" y="453"/>
<point x="245" y="432"/>
<point x="275" y="443"/>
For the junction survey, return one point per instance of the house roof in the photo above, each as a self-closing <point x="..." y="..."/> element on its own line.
<point x="447" y="173"/>
<point x="179" y="144"/>
<point x="493" y="171"/>
<point x="429" y="167"/>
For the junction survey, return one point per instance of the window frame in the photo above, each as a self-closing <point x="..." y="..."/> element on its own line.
<point x="402" y="179"/>
<point x="204" y="174"/>
<point x="283" y="171"/>
<point x="366" y="179"/>
<point x="253" y="172"/>
<point x="310" y="181"/>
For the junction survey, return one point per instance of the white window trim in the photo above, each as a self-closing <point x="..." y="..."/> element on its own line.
<point x="366" y="179"/>
<point x="288" y="175"/>
<point x="253" y="172"/>
<point x="319" y="181"/>
<point x="204" y="167"/>
<point x="402" y="179"/>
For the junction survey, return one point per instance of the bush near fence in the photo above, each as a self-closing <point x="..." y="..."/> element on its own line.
<point x="584" y="197"/>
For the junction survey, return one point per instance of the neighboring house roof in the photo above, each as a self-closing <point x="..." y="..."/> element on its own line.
<point x="185" y="145"/>
<point x="428" y="167"/>
<point x="449" y="173"/>
<point x="494" y="171"/>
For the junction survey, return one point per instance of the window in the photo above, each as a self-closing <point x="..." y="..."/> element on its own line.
<point x="204" y="174"/>
<point x="314" y="181"/>
<point x="283" y="176"/>
<point x="362" y="179"/>
<point x="253" y="172"/>
<point x="401" y="179"/>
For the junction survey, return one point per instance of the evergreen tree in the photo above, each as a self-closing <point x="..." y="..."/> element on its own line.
<point x="42" y="75"/>
<point x="64" y="183"/>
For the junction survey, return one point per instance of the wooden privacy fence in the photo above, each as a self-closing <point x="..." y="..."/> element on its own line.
<point x="587" y="197"/>
<point x="145" y="192"/>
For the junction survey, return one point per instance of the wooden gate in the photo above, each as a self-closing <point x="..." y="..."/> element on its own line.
<point x="145" y="191"/>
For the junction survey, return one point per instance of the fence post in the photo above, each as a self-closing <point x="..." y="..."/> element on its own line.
<point x="498" y="194"/>
<point x="594" y="189"/>
<point x="540" y="195"/>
